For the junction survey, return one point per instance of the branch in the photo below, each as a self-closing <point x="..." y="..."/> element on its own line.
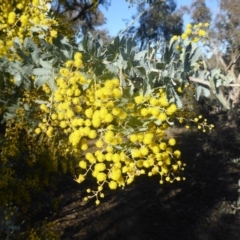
<point x="223" y="63"/>
<point x="232" y="85"/>
<point x="134" y="20"/>
<point x="219" y="55"/>
<point x="197" y="80"/>
<point x="233" y="62"/>
<point x="82" y="12"/>
<point x="128" y="26"/>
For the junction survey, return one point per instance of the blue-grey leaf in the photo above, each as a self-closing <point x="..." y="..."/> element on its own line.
<point x="51" y="83"/>
<point x="177" y="99"/>
<point x="45" y="64"/>
<point x="196" y="55"/>
<point x="26" y="106"/>
<point x="17" y="79"/>
<point x="206" y="92"/>
<point x="140" y="55"/>
<point x="40" y="80"/>
<point x="42" y="71"/>
<point x="198" y="92"/>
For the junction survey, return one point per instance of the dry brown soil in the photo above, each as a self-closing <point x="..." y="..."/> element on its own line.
<point x="147" y="210"/>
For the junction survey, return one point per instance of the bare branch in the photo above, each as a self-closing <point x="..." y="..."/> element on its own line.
<point x="233" y="61"/>
<point x="197" y="80"/>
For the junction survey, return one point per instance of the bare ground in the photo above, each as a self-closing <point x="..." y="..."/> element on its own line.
<point x="147" y="210"/>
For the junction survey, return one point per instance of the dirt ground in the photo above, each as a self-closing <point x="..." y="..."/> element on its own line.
<point x="146" y="210"/>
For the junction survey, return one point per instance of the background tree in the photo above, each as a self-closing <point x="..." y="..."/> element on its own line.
<point x="227" y="35"/>
<point x="159" y="21"/>
<point x="84" y="15"/>
<point x="224" y="40"/>
<point x="199" y="12"/>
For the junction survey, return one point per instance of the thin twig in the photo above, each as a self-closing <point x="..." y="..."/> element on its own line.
<point x="134" y="20"/>
<point x="121" y="79"/>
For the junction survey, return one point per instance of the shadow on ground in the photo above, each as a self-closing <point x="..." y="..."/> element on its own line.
<point x="148" y="210"/>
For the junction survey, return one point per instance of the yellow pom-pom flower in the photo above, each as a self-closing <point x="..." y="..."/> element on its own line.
<point x="99" y="167"/>
<point x="83" y="164"/>
<point x="37" y="130"/>
<point x="139" y="99"/>
<point x="101" y="176"/>
<point x="171" y="141"/>
<point x="112" y="185"/>
<point x="80" y="178"/>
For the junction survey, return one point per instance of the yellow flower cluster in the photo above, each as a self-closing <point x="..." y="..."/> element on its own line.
<point x="43" y="230"/>
<point x="195" y="33"/>
<point x="201" y="122"/>
<point x="67" y="104"/>
<point x="188" y="115"/>
<point x="86" y="110"/>
<point x="13" y="148"/>
<point x="21" y="18"/>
